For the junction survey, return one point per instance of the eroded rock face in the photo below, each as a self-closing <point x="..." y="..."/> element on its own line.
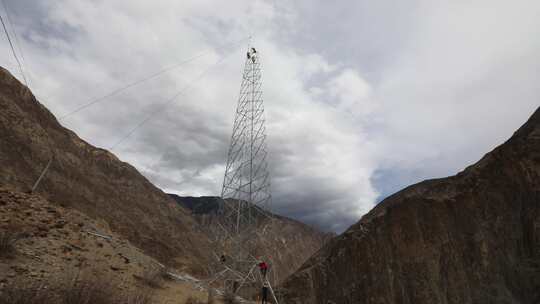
<point x="469" y="238"/>
<point x="91" y="180"/>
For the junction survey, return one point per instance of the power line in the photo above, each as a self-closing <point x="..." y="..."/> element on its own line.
<point x="13" y="49"/>
<point x="165" y="104"/>
<point x="17" y="42"/>
<point x="130" y="85"/>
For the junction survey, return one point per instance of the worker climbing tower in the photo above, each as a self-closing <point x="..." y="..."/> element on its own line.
<point x="246" y="184"/>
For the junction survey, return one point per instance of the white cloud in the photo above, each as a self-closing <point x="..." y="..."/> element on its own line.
<point x="351" y="93"/>
<point x="463" y="84"/>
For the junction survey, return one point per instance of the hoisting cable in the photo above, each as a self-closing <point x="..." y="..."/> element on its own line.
<point x="17" y="42"/>
<point x="12" y="48"/>
<point x="154" y="75"/>
<point x="169" y="101"/>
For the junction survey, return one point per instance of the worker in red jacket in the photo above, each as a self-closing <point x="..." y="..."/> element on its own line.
<point x="264" y="268"/>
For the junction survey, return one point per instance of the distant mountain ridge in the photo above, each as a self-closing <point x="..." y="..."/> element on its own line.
<point x="289" y="242"/>
<point x="469" y="238"/>
<point x="198" y="205"/>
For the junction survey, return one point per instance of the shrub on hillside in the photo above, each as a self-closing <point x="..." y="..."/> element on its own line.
<point x="7" y="243"/>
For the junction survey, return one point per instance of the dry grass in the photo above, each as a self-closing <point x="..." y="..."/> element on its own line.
<point x="76" y="291"/>
<point x="87" y="291"/>
<point x="7" y="243"/>
<point x="154" y="277"/>
<point x="137" y="297"/>
<point x="192" y="300"/>
<point x="15" y="294"/>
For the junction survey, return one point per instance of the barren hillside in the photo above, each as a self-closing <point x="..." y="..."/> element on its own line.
<point x="50" y="246"/>
<point x="91" y="180"/>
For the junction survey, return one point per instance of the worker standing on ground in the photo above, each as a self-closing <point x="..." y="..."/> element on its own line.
<point x="264" y="268"/>
<point x="265" y="288"/>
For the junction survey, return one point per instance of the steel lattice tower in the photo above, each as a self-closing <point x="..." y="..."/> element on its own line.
<point x="246" y="189"/>
<point x="246" y="184"/>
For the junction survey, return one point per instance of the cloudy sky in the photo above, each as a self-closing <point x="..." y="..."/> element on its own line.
<point x="362" y="97"/>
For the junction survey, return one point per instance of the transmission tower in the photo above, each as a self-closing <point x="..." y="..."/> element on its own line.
<point x="246" y="190"/>
<point x="246" y="184"/>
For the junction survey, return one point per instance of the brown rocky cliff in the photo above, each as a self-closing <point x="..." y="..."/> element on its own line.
<point x="91" y="180"/>
<point x="469" y="238"/>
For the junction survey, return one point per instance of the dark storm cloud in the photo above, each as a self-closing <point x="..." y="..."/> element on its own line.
<point x="185" y="138"/>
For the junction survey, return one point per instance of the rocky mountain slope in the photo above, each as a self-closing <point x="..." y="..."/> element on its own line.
<point x="470" y="238"/>
<point x="289" y="243"/>
<point x="51" y="246"/>
<point x="91" y="180"/>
